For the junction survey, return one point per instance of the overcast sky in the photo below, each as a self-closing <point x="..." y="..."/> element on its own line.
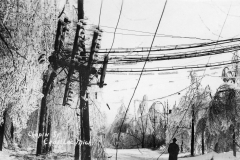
<point x="205" y="19"/>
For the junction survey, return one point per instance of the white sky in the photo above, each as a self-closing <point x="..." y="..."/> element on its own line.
<point x="191" y="18"/>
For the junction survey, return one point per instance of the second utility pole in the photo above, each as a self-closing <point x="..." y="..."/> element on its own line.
<point x="192" y="136"/>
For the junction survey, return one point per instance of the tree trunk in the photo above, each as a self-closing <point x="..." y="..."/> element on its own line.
<point x="2" y="130"/>
<point x="12" y="130"/>
<point x="7" y="130"/>
<point x="234" y="143"/>
<point x="41" y="126"/>
<point x="143" y="139"/>
<point x="43" y="111"/>
<point x="154" y="144"/>
<point x="216" y="148"/>
<point x="182" y="145"/>
<point x="203" y="142"/>
<point x="77" y="147"/>
<point x="48" y="133"/>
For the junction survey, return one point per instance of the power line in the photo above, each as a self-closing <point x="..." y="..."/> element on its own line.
<point x="99" y="19"/>
<point x="181" y="55"/>
<point x="160" y="35"/>
<point x="130" y="59"/>
<point x="171" y="68"/>
<point x="178" y="92"/>
<point x="169" y="47"/>
<point x="172" y="93"/>
<point x="210" y="56"/>
<point x="207" y="27"/>
<point x="114" y="40"/>
<point x="200" y="81"/>
<point x="218" y="37"/>
<point x="151" y="34"/>
<point x="116" y="27"/>
<point x="141" y="74"/>
<point x="231" y="15"/>
<point x="180" y="122"/>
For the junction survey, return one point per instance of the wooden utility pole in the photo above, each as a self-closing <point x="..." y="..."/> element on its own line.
<point x="192" y="137"/>
<point x="80" y="9"/>
<point x="85" y="71"/>
<point x="81" y="63"/>
<point x="84" y="107"/>
<point x="235" y="58"/>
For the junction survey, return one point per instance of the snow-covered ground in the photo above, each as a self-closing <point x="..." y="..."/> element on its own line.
<point x="216" y="156"/>
<point x="5" y="155"/>
<point x="147" y="154"/>
<point x="143" y="154"/>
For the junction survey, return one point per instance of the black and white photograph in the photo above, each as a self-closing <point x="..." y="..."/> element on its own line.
<point x="119" y="79"/>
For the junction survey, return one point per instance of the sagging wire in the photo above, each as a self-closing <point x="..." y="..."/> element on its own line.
<point x="199" y="83"/>
<point x="140" y="75"/>
<point x="99" y="19"/>
<point x="151" y="34"/>
<point x="116" y="27"/>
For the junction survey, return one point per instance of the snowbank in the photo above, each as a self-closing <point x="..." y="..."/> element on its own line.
<point x="215" y="156"/>
<point x="147" y="154"/>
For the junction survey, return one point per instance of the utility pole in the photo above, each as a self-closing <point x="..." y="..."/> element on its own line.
<point x="154" y="129"/>
<point x="84" y="108"/>
<point x="85" y="72"/>
<point x="192" y="137"/>
<point x="78" y="62"/>
<point x="235" y="58"/>
<point x="167" y="113"/>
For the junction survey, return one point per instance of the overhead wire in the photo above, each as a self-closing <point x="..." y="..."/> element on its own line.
<point x="200" y="80"/>
<point x="115" y="35"/>
<point x="172" y="93"/>
<point x="169" y="47"/>
<point x="158" y="69"/>
<point x="231" y="15"/>
<point x="131" y="59"/>
<point x="178" y="92"/>
<point x="180" y="55"/>
<point x="160" y="35"/>
<point x="124" y="56"/>
<point x="180" y="122"/>
<point x="151" y="34"/>
<point x="99" y="19"/>
<point x="207" y="27"/>
<point x="140" y="74"/>
<point x="116" y="27"/>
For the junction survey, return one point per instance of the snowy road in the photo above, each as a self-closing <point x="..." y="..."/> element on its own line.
<point x="141" y="154"/>
<point x="135" y="154"/>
